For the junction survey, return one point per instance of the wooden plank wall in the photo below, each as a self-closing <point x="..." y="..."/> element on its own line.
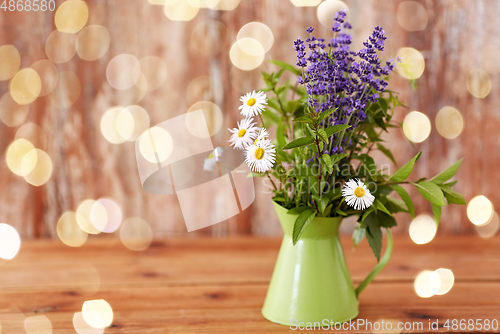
<point x="87" y="166"/>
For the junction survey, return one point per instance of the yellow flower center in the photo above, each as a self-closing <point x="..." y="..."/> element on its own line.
<point x="251" y="101"/>
<point x="259" y="153"/>
<point x="255" y="142"/>
<point x="242" y="132"/>
<point x="359" y="192"/>
<point x="211" y="156"/>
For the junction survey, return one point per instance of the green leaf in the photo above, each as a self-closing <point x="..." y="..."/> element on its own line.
<point x="402" y="173"/>
<point x="342" y="213"/>
<point x="297" y="210"/>
<point x="387" y="152"/>
<point x="322" y="135"/>
<point x="310" y="133"/>
<point x="279" y="199"/>
<point x="279" y="135"/>
<point x="337" y="157"/>
<point x="452" y="196"/>
<point x="395" y="205"/>
<point x="383" y="105"/>
<point x="358" y="234"/>
<point x="298" y="143"/>
<point x="301" y="223"/>
<point x="328" y="162"/>
<point x="331" y="130"/>
<point x="447" y="173"/>
<point x="325" y="114"/>
<point x="382" y="207"/>
<point x="321" y="202"/>
<point x="385" y="220"/>
<point x="374" y="235"/>
<point x="304" y="119"/>
<point x="406" y="198"/>
<point x="431" y="192"/>
<point x="286" y="66"/>
<point x="436" y="209"/>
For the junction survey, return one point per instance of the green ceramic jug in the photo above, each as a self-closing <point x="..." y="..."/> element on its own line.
<point x="311" y="282"/>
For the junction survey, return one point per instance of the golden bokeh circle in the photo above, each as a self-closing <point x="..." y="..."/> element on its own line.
<point x="213" y="119"/>
<point x="131" y="122"/>
<point x="156" y="144"/>
<point x="227" y="5"/>
<point x="136" y="234"/>
<point x="38" y="324"/>
<point x="416" y="126"/>
<point x="478" y="83"/>
<point x="449" y="122"/>
<point x="258" y="31"/>
<point x="97" y="313"/>
<point x="67" y="90"/>
<point x="412" y="16"/>
<point x="49" y="75"/>
<point x="209" y="37"/>
<point x="71" y="16"/>
<point x="441" y="281"/>
<point x="154" y="70"/>
<point x="480" y="210"/>
<point x="204" y="3"/>
<point x="68" y="230"/>
<point x="328" y="9"/>
<point x="36" y="167"/>
<point x="11" y="112"/>
<point x="10" y="242"/>
<point x="60" y="47"/>
<point x="489" y="229"/>
<point x="305" y="3"/>
<point x="106" y="215"/>
<point x="412" y="63"/>
<point x="123" y="71"/>
<point x="421" y="284"/>
<point x="247" y="54"/>
<point x="34" y="134"/>
<point x="25" y="86"/>
<point x="422" y="229"/>
<point x="15" y="154"/>
<point x="93" y="42"/>
<point x="10" y="61"/>
<point x="83" y="219"/>
<point x="109" y="123"/>
<point x="180" y="10"/>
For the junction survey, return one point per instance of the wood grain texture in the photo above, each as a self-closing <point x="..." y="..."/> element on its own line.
<point x="457" y="38"/>
<point x="218" y="285"/>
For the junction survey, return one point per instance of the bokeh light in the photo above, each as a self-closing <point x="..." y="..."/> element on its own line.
<point x="67" y="90"/>
<point x="93" y="42"/>
<point x="227" y="4"/>
<point x="305" y="3"/>
<point x="156" y="144"/>
<point x="412" y="63"/>
<point x="213" y="119"/>
<point x="25" y="86"/>
<point x="478" y="83"/>
<point x="68" y="230"/>
<point x="36" y="167"/>
<point x="10" y="61"/>
<point x="11" y="321"/>
<point x="154" y="70"/>
<point x="449" y="122"/>
<point x="204" y="88"/>
<point x="15" y="154"/>
<point x="205" y="3"/>
<point x="489" y="229"/>
<point x="247" y="54"/>
<point x="421" y="284"/>
<point x="97" y="313"/>
<point x="34" y="134"/>
<point x="12" y="113"/>
<point x="441" y="281"/>
<point x="82" y="327"/>
<point x="83" y="218"/>
<point x="131" y="122"/>
<point x="71" y="16"/>
<point x="10" y="242"/>
<point x="60" y="47"/>
<point x="180" y="10"/>
<point x="123" y="71"/>
<point x="327" y="11"/>
<point x="106" y="215"/>
<point x="136" y="234"/>
<point x="416" y="126"/>
<point x="412" y="16"/>
<point x="49" y="75"/>
<point x="259" y="32"/>
<point x="109" y="123"/>
<point x="480" y="210"/>
<point x="38" y="324"/>
<point x="209" y="37"/>
<point x="422" y="229"/>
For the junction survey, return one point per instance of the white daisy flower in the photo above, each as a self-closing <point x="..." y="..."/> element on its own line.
<point x="261" y="156"/>
<point x="212" y="159"/>
<point x="253" y="104"/>
<point x="244" y="135"/>
<point x="263" y="134"/>
<point x="357" y="195"/>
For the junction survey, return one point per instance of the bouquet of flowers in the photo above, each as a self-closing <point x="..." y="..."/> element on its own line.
<point x="327" y="124"/>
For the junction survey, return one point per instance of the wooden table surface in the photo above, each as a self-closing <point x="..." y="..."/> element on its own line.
<point x="218" y="285"/>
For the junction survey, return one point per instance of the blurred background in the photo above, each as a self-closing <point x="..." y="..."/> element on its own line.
<point x="81" y="80"/>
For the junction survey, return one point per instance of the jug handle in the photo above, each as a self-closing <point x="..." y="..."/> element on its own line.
<point x="379" y="265"/>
